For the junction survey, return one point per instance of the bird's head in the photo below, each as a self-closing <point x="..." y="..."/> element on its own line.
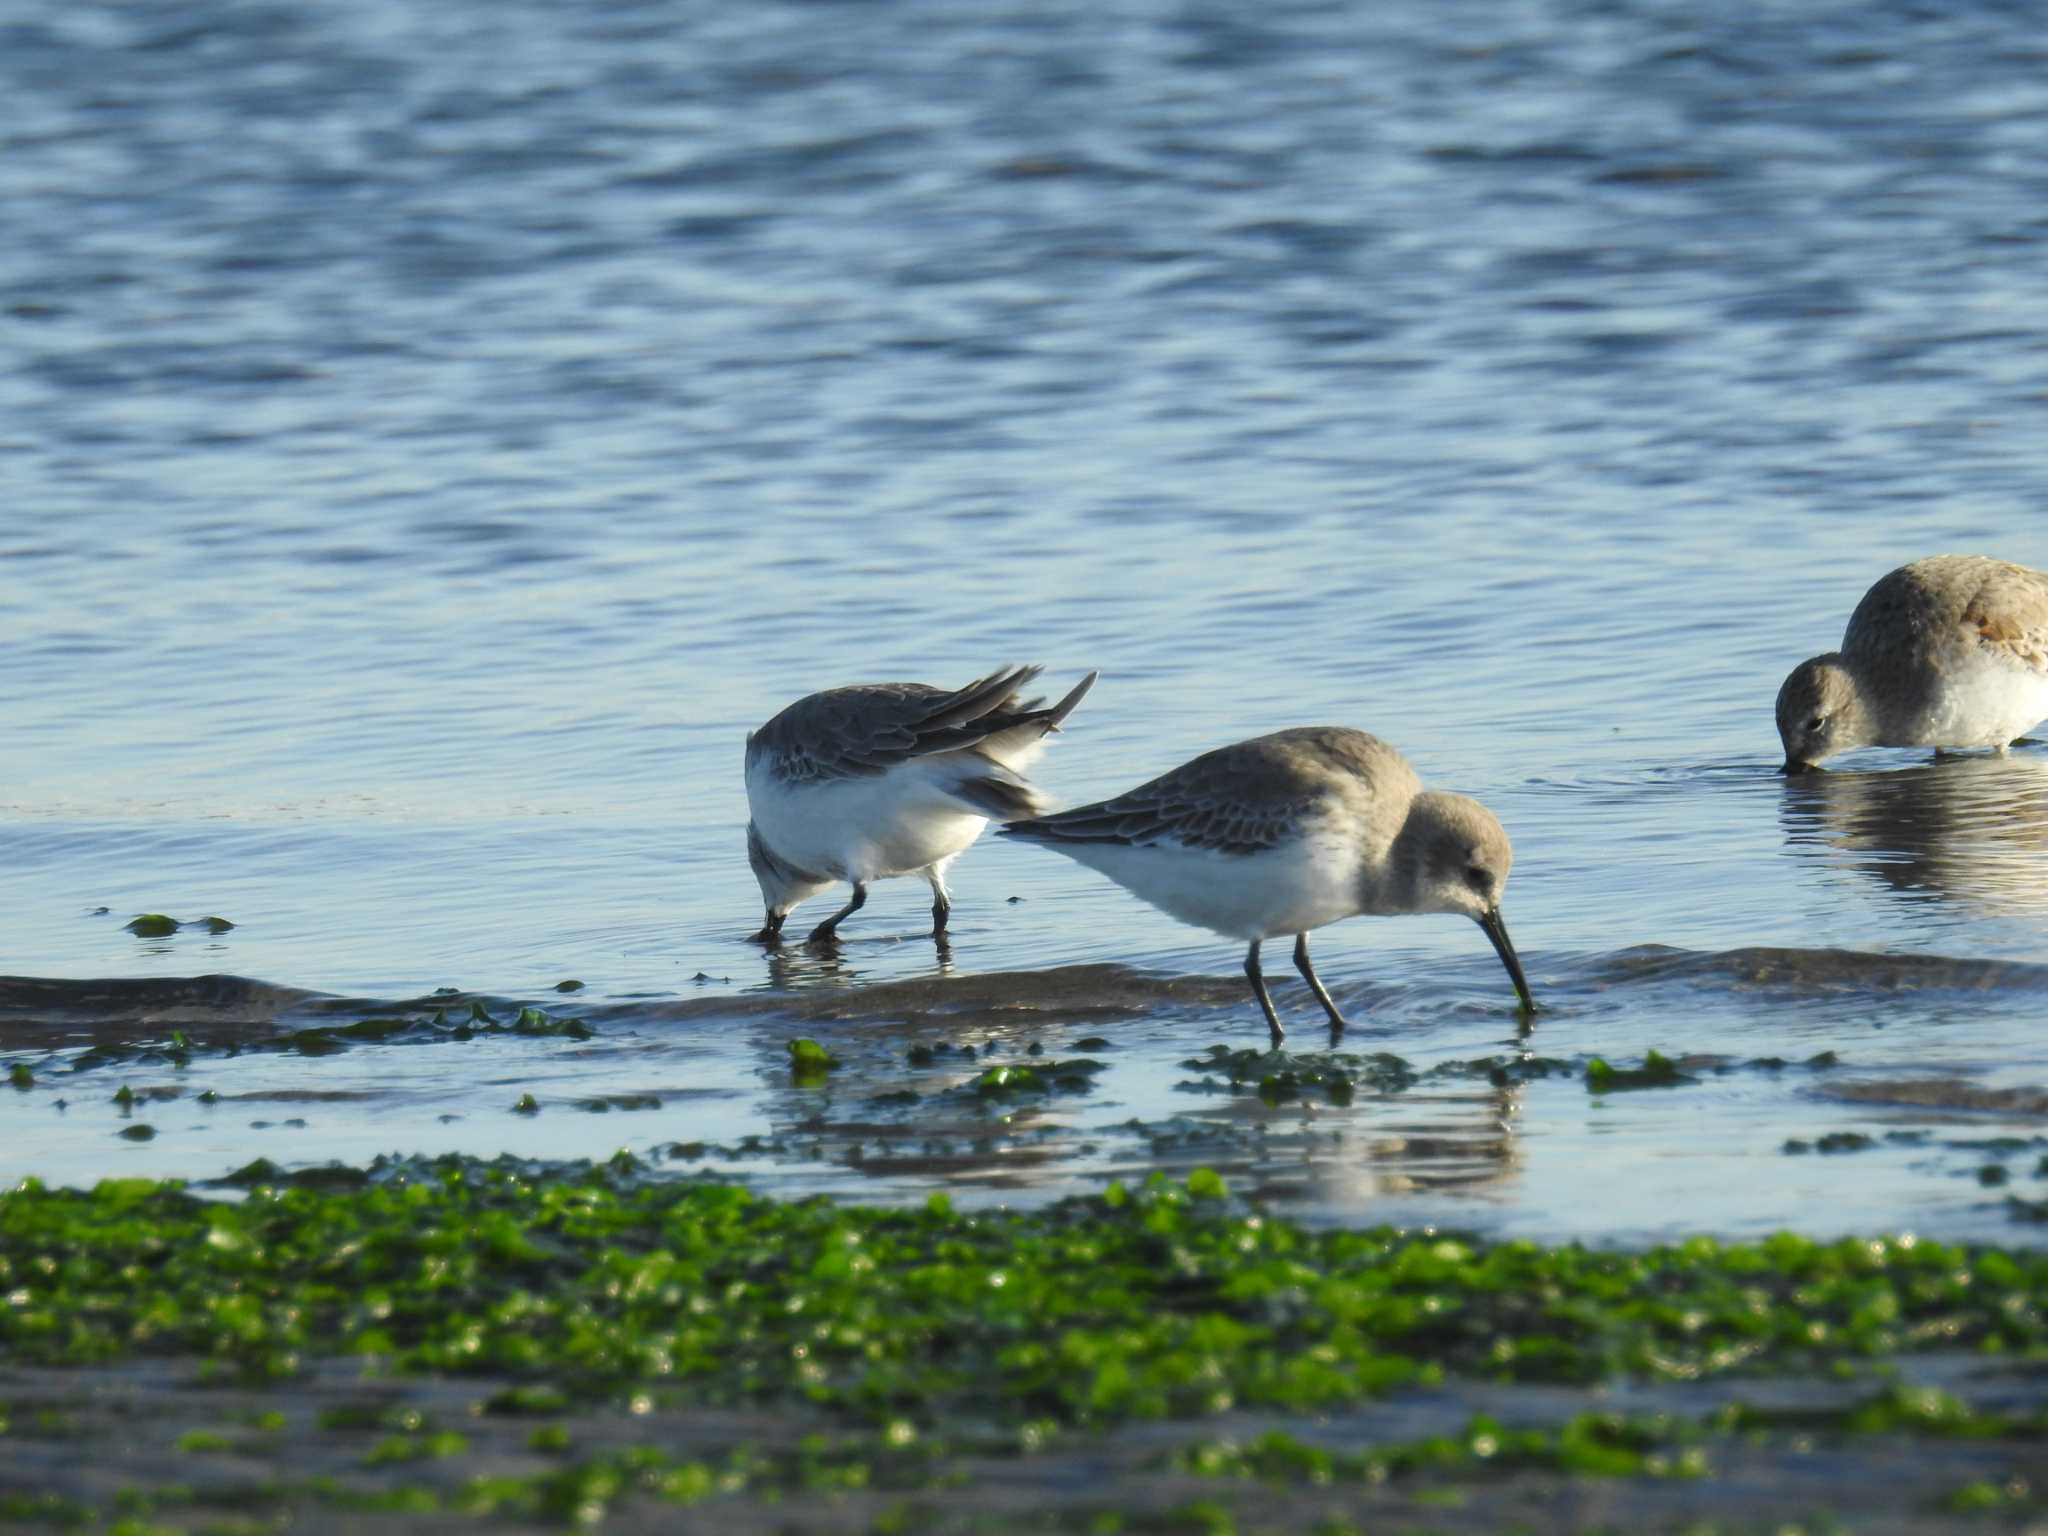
<point x="1820" y="713"/>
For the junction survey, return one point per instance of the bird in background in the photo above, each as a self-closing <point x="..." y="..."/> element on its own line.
<point x="1947" y="652"/>
<point x="878" y="780"/>
<point x="1284" y="833"/>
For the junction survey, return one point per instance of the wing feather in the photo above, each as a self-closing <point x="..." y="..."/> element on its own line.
<point x="865" y="730"/>
<point x="1238" y="799"/>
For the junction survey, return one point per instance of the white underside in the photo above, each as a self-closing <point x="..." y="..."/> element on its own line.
<point x="1981" y="702"/>
<point x="901" y="822"/>
<point x="1285" y="890"/>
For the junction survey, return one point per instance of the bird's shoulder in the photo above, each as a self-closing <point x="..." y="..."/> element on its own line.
<point x="849" y="732"/>
<point x="1933" y="605"/>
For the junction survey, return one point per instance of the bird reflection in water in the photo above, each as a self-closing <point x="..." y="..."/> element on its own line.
<point x="793" y="968"/>
<point x="1972" y="830"/>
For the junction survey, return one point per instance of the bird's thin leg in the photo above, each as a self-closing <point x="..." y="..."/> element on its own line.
<point x="1258" y="981"/>
<point x="828" y="930"/>
<point x="771" y="928"/>
<point x="942" y="905"/>
<point x="1315" y="985"/>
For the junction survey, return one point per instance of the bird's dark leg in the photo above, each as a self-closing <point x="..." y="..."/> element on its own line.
<point x="1315" y="985"/>
<point x="1258" y="981"/>
<point x="771" y="928"/>
<point x="942" y="908"/>
<point x="828" y="930"/>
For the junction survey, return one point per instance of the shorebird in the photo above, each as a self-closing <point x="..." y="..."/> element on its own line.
<point x="1284" y="833"/>
<point x="1951" y="651"/>
<point x="885" y="779"/>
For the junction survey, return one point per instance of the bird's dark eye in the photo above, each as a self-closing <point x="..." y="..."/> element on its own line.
<point x="1816" y="722"/>
<point x="1476" y="878"/>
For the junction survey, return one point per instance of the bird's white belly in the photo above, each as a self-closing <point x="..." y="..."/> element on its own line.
<point x="1981" y="702"/>
<point x="895" y="823"/>
<point x="1289" y="889"/>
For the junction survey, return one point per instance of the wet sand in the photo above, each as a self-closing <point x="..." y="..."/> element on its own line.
<point x="307" y="1453"/>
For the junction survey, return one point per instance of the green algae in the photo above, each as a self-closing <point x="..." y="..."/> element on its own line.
<point x="324" y="1039"/>
<point x="262" y="1170"/>
<point x="1894" y="1410"/>
<point x="1157" y="1301"/>
<point x="527" y="1400"/>
<point x="1504" y="1071"/>
<point x="2014" y="1496"/>
<point x="582" y="1492"/>
<point x="1005" y="1080"/>
<point x="417" y="1447"/>
<point x="605" y="1103"/>
<point x="1587" y="1445"/>
<point x="1075" y="1075"/>
<point x="1657" y="1071"/>
<point x="810" y="1063"/>
<point x="1280" y="1077"/>
<point x="1834" y="1143"/>
<point x="155" y="925"/>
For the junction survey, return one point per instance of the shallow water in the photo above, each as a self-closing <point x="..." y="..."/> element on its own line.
<point x="434" y="437"/>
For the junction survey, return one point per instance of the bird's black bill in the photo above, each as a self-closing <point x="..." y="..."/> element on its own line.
<point x="1497" y="930"/>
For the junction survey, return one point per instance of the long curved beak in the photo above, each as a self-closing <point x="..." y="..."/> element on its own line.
<point x="1497" y="930"/>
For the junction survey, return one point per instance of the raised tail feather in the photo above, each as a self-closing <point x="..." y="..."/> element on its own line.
<point x="1010" y="735"/>
<point x="1057" y="715"/>
<point x="1018" y="733"/>
<point x="983" y="696"/>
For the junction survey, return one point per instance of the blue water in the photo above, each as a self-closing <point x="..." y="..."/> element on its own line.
<point x="431" y="436"/>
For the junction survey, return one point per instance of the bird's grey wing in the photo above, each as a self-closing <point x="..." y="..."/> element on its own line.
<point x="861" y="731"/>
<point x="1235" y="804"/>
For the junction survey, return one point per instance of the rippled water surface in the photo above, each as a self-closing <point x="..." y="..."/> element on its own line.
<point x="431" y="436"/>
